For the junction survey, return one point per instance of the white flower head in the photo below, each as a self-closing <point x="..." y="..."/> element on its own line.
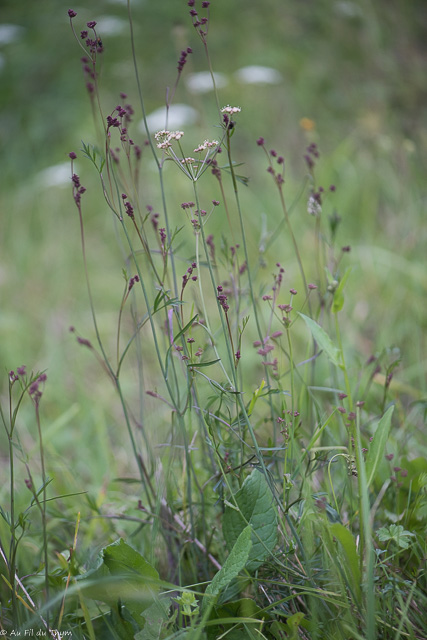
<point x="176" y="135"/>
<point x="314" y="208"/>
<point x="162" y="135"/>
<point x="230" y="110"/>
<point x="207" y="144"/>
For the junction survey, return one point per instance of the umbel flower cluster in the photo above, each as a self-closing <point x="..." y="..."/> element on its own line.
<point x="193" y="167"/>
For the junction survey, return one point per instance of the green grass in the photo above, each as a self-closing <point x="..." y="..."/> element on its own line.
<point x="336" y="545"/>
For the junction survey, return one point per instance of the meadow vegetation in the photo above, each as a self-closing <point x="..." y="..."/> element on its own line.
<point x="213" y="398"/>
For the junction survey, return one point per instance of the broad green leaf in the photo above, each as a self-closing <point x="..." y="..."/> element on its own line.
<point x="397" y="534"/>
<point x="255" y="504"/>
<point x="121" y="573"/>
<point x="348" y="545"/>
<point x="377" y="446"/>
<point x="293" y="622"/>
<point x="338" y="301"/>
<point x="323" y="340"/>
<point x="234" y="564"/>
<point x="156" y="617"/>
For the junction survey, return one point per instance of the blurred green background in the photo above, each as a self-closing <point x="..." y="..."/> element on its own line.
<point x="355" y="68"/>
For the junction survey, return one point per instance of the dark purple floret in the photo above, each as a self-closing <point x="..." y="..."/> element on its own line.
<point x="84" y="342"/>
<point x="113" y="122"/>
<point x="72" y="155"/>
<point x="129" y="210"/>
<point x="132" y="282"/>
<point x="309" y="161"/>
<point x="71" y="13"/>
<point x="21" y="370"/>
<point x="34" y="387"/>
<point x="260" y="141"/>
<point x="91" y="24"/>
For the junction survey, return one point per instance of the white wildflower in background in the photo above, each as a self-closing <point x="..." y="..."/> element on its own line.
<point x="201" y="82"/>
<point x="176" y="117"/>
<point x="256" y="74"/>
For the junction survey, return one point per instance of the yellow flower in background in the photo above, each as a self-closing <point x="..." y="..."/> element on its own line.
<point x="307" y="124"/>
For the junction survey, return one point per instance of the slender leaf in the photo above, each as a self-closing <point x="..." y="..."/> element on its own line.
<point x="348" y="545"/>
<point x="377" y="446"/>
<point x="323" y="340"/>
<point x="338" y="301"/>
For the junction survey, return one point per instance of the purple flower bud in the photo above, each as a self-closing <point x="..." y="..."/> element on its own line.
<point x="71" y="13"/>
<point x="72" y="155"/>
<point x="91" y="24"/>
<point x="84" y="342"/>
<point x="260" y="141"/>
